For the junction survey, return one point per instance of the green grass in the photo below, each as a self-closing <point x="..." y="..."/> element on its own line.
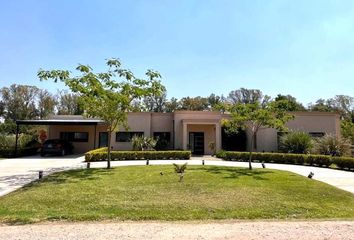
<point x="141" y="193"/>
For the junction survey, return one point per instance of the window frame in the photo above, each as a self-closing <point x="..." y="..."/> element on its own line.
<point x="130" y="135"/>
<point x="71" y="136"/>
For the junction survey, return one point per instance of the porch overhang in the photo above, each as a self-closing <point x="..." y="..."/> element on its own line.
<point x="214" y="122"/>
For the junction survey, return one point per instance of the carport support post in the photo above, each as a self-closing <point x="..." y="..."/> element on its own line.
<point x="17" y="130"/>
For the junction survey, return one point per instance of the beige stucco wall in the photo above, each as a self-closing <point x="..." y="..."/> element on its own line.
<point x="203" y="117"/>
<point x="79" y="147"/>
<point x="207" y="122"/>
<point x="304" y="121"/>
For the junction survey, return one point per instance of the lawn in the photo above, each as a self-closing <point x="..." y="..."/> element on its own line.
<point x="207" y="192"/>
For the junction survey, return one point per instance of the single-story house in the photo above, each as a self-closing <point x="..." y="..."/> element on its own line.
<point x="198" y="131"/>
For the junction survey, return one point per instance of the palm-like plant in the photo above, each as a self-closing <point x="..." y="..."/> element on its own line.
<point x="141" y="143"/>
<point x="179" y="169"/>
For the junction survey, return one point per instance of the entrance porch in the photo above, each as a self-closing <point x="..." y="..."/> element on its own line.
<point x="202" y="137"/>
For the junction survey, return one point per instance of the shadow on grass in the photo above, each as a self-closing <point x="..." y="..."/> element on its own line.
<point x="233" y="173"/>
<point x="71" y="176"/>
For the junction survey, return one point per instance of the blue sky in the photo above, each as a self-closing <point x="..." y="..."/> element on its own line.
<point x="302" y="48"/>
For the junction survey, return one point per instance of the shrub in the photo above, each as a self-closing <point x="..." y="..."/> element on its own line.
<point x="296" y="142"/>
<point x="141" y="143"/>
<point x="26" y="145"/>
<point x="332" y="145"/>
<point x="288" y="158"/>
<point x="101" y="155"/>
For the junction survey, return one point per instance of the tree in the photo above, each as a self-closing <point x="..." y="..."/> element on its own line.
<point x="347" y="130"/>
<point x="19" y="101"/>
<point x="69" y="103"/>
<point x="253" y="116"/>
<point x="214" y="101"/>
<point x="172" y="105"/>
<point x="46" y="103"/>
<point x="289" y="103"/>
<point x="194" y="103"/>
<point x="321" y="105"/>
<point x="107" y="95"/>
<point x="155" y="103"/>
<point x="247" y="96"/>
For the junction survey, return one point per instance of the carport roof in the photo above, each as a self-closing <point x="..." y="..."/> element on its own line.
<point x="60" y="122"/>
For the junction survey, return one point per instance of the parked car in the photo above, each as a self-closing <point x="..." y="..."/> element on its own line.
<point x="56" y="146"/>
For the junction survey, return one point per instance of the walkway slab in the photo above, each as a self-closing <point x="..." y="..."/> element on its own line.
<point x="17" y="172"/>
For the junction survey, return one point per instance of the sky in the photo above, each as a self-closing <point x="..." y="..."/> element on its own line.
<point x="304" y="48"/>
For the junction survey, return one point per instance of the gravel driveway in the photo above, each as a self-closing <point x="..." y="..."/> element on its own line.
<point x="211" y="230"/>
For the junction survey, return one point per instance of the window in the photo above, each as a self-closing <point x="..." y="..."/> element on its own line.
<point x="163" y="140"/>
<point x="74" y="136"/>
<point x="127" y="136"/>
<point x="162" y="135"/>
<point x="316" y="134"/>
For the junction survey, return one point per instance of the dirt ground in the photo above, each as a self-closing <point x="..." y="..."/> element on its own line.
<point x="183" y="230"/>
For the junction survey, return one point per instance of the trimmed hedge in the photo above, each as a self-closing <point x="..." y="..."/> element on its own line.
<point x="21" y="152"/>
<point x="101" y="155"/>
<point x="288" y="158"/>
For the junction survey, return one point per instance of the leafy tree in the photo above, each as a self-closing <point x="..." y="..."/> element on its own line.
<point x="155" y="103"/>
<point x="46" y="103"/>
<point x="19" y="101"/>
<point x="321" y="105"/>
<point x="296" y="142"/>
<point x="247" y="96"/>
<point x="194" y="103"/>
<point x="69" y="103"/>
<point x="253" y="116"/>
<point x="172" y="105"/>
<point x="214" y="101"/>
<point x="347" y="130"/>
<point x="107" y="95"/>
<point x="289" y="103"/>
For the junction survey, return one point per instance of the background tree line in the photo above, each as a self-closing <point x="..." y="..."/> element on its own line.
<point x="30" y="102"/>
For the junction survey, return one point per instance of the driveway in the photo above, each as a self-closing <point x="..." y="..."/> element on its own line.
<point x="17" y="172"/>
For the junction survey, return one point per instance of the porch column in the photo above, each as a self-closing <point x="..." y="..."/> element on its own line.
<point x="184" y="137"/>
<point x="217" y="137"/>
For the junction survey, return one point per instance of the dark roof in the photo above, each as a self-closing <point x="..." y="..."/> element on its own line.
<point x="60" y="122"/>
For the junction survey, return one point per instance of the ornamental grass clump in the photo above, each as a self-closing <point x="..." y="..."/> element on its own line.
<point x="296" y="142"/>
<point x="332" y="145"/>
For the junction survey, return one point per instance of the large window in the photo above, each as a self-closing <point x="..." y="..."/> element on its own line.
<point x="163" y="140"/>
<point x="127" y="136"/>
<point x="74" y="136"/>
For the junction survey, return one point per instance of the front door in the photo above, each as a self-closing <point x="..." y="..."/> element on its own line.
<point x="103" y="139"/>
<point x="196" y="142"/>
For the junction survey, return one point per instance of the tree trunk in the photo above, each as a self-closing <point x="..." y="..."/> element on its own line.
<point x="251" y="150"/>
<point x="109" y="150"/>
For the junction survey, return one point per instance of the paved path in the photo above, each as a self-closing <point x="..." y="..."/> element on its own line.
<point x="257" y="230"/>
<point x="17" y="172"/>
<point x="14" y="173"/>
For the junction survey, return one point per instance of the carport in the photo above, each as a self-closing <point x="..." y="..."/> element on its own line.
<point x="58" y="122"/>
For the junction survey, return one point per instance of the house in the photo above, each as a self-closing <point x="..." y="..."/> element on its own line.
<point x="199" y="131"/>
